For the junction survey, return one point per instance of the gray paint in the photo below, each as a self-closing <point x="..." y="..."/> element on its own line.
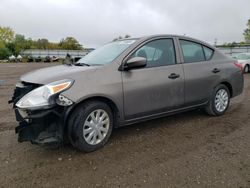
<point x="146" y="92"/>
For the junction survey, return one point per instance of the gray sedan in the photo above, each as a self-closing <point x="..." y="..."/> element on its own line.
<point x="121" y="83"/>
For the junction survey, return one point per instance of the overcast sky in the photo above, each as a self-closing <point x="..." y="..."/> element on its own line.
<point x="95" y="22"/>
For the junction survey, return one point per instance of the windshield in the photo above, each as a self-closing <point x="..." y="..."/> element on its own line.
<point x="107" y="53"/>
<point x="242" y="56"/>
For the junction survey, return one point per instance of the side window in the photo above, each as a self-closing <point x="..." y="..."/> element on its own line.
<point x="208" y="52"/>
<point x="192" y="52"/>
<point x="158" y="53"/>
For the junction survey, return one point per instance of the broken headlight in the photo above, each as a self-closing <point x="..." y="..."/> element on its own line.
<point x="41" y="97"/>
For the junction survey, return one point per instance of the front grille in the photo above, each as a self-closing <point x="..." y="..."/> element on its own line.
<point x="21" y="89"/>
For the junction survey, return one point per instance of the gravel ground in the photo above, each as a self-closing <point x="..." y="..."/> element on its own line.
<point x="185" y="150"/>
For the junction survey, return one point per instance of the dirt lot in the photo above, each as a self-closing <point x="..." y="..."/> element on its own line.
<point x="185" y="150"/>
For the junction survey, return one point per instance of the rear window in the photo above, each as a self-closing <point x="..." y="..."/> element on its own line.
<point x="192" y="52"/>
<point x="195" y="52"/>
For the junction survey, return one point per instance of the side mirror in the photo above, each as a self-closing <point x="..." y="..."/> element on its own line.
<point x="135" y="62"/>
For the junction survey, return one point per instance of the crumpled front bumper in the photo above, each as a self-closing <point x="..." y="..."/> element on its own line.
<point x="41" y="126"/>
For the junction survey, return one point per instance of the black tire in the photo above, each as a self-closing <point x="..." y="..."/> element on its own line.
<point x="246" y="69"/>
<point x="76" y="123"/>
<point x="211" y="107"/>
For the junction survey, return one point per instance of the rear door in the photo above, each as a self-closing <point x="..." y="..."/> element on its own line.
<point x="159" y="86"/>
<point x="200" y="71"/>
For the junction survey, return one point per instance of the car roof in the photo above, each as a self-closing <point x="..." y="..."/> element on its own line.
<point x="151" y="36"/>
<point x="148" y="37"/>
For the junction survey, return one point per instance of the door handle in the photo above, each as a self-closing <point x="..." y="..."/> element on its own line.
<point x="216" y="70"/>
<point x="173" y="76"/>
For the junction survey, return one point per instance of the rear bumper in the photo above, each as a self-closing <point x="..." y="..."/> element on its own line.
<point x="41" y="126"/>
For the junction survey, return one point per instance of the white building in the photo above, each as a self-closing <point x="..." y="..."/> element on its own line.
<point x="57" y="53"/>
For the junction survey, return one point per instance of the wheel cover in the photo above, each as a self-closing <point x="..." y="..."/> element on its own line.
<point x="221" y="100"/>
<point x="96" y="127"/>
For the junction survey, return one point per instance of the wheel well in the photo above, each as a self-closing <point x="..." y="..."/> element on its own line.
<point x="109" y="102"/>
<point x="229" y="86"/>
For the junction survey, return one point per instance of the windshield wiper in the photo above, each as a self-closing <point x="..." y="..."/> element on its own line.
<point x="81" y="64"/>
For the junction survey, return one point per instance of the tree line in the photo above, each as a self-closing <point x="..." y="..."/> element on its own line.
<point x="13" y="44"/>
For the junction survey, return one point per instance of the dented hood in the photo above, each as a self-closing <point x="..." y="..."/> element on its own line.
<point x="55" y="73"/>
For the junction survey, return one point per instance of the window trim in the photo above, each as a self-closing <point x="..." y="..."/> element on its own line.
<point x="205" y="54"/>
<point x="202" y="46"/>
<point x="127" y="57"/>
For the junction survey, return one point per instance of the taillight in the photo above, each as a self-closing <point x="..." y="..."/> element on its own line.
<point x="239" y="66"/>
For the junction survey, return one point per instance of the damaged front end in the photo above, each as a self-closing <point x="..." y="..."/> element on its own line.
<point x="41" y="111"/>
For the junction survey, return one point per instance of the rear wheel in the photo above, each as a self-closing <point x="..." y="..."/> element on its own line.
<point x="90" y="126"/>
<point x="219" y="101"/>
<point x="246" y="69"/>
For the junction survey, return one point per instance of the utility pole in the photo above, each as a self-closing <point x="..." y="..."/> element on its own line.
<point x="215" y="41"/>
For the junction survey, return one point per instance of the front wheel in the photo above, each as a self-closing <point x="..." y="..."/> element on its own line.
<point x="90" y="126"/>
<point x="219" y="101"/>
